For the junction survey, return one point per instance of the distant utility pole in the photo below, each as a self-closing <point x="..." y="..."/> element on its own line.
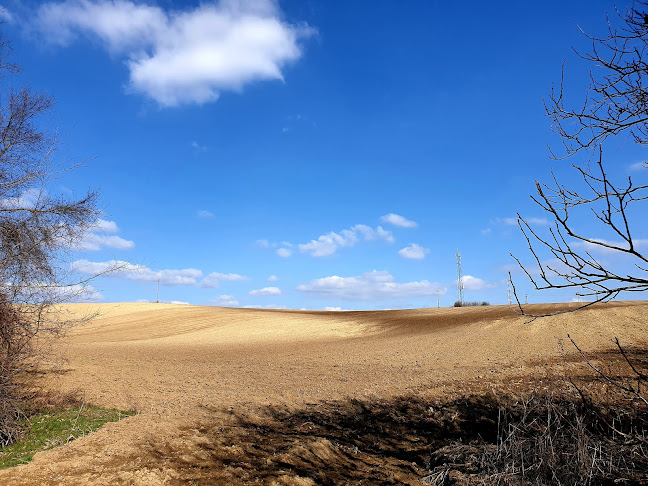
<point x="438" y="299"/>
<point x="526" y="298"/>
<point x="460" y="284"/>
<point x="158" y="294"/>
<point x="508" y="292"/>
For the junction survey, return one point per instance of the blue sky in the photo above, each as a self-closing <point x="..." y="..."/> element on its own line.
<point x="308" y="154"/>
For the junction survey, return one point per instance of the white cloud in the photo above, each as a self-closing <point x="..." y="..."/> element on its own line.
<point x="514" y="221"/>
<point x="26" y="200"/>
<point x="59" y="293"/>
<point x="95" y="238"/>
<point x="375" y="285"/>
<point x="180" y="302"/>
<point x="196" y="146"/>
<point x="414" y="251"/>
<point x="284" y="252"/>
<point x="507" y="221"/>
<point x="105" y="226"/>
<point x="538" y="221"/>
<point x="486" y="231"/>
<point x="269" y="306"/>
<point x="283" y="248"/>
<point x="224" y="301"/>
<point x="83" y="293"/>
<point x="187" y="56"/>
<point x="203" y="213"/>
<point x="266" y="291"/>
<point x="272" y="278"/>
<point x="139" y="273"/>
<point x="474" y="283"/>
<point x="118" y="25"/>
<point x="328" y="244"/>
<point x="594" y="248"/>
<point x="213" y="279"/>
<point x="5" y="15"/>
<point x="398" y="220"/>
<point x="638" y="166"/>
<point x="95" y="242"/>
<point x="335" y="309"/>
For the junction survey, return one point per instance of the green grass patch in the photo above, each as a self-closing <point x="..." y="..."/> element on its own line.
<point x="50" y="429"/>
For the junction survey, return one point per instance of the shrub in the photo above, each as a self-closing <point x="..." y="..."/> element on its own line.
<point x="13" y="347"/>
<point x="470" y="304"/>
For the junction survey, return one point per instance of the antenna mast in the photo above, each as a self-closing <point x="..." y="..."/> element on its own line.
<point x="460" y="284"/>
<point x="508" y="291"/>
<point x="158" y="294"/>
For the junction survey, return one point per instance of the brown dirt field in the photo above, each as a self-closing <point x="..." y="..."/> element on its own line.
<point x="238" y="396"/>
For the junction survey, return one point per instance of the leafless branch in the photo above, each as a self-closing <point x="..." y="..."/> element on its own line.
<point x="575" y="266"/>
<point x="617" y="98"/>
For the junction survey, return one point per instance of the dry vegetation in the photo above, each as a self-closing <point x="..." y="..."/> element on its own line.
<point x="430" y="396"/>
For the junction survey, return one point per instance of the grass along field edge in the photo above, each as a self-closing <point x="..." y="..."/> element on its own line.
<point x="46" y="430"/>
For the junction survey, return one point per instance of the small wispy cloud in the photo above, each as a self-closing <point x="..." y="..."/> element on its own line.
<point x="375" y="285"/>
<point x="530" y="220"/>
<point x="129" y="271"/>
<point x="283" y="247"/>
<point x="593" y="247"/>
<point x="197" y="147"/>
<point x="414" y="251"/>
<point x="398" y="220"/>
<point x="224" y="301"/>
<point x="329" y="243"/>
<point x="83" y="293"/>
<point x="99" y="236"/>
<point x="638" y="166"/>
<point x="203" y="213"/>
<point x="474" y="283"/>
<point x="214" y="279"/>
<point x="284" y="252"/>
<point x="538" y="221"/>
<point x="6" y="15"/>
<point x="266" y="291"/>
<point x="268" y="306"/>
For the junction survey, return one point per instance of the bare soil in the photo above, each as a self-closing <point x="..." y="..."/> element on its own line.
<point x="239" y="396"/>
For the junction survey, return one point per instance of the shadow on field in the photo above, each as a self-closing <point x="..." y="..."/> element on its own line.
<point x="354" y="442"/>
<point x="526" y="438"/>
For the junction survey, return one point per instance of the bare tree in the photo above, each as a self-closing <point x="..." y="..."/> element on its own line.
<point x="37" y="230"/>
<point x="616" y="102"/>
<point x="616" y="105"/>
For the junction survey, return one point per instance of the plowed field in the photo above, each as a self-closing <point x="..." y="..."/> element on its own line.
<point x="238" y="396"/>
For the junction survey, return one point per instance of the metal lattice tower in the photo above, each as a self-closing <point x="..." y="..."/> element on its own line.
<point x="460" y="284"/>
<point x="508" y="292"/>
